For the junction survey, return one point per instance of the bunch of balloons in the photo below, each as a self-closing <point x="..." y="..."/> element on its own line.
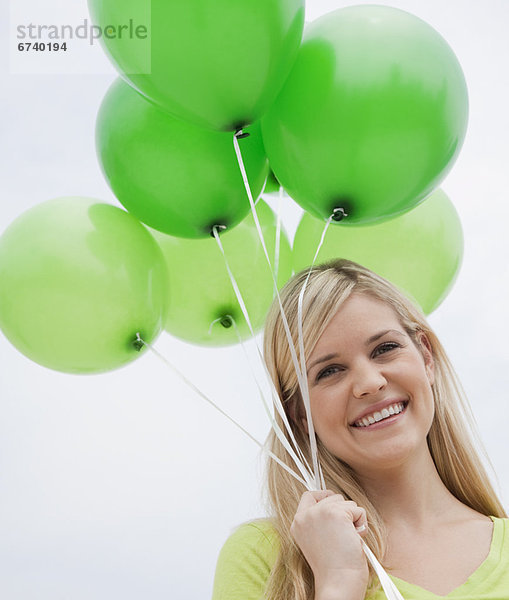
<point x="360" y="118"/>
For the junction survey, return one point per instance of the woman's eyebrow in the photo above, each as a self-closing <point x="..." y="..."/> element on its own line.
<point x="377" y="336"/>
<point x="322" y="359"/>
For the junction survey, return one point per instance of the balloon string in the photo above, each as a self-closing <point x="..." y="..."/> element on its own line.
<point x="278" y="231"/>
<point x="291" y="345"/>
<point x="275" y="396"/>
<point x="390" y="589"/>
<point x="305" y="390"/>
<point x="303" y="468"/>
<point x="388" y="586"/>
<point x="276" y="400"/>
<point x="219" y="321"/>
<point x="195" y="389"/>
<point x="233" y="281"/>
<point x="214" y="405"/>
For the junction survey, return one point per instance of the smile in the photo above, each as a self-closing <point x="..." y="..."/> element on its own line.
<point x="385" y="413"/>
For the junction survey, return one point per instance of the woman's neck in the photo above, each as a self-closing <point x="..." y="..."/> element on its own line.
<point x="412" y="493"/>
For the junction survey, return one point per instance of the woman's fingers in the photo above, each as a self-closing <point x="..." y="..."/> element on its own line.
<point x="326" y="527"/>
<point x="327" y="499"/>
<point x="309" y="499"/>
<point x="355" y="512"/>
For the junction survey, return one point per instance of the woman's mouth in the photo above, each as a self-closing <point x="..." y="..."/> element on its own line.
<point x="388" y="412"/>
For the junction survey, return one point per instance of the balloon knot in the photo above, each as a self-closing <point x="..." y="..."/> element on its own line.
<point x="218" y="229"/>
<point x="239" y="134"/>
<point x="338" y="214"/>
<point x="138" y="343"/>
<point x="226" y="321"/>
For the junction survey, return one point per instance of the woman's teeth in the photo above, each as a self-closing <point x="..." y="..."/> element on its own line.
<point x="385" y="413"/>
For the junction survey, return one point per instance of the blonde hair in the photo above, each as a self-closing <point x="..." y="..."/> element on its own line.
<point x="450" y="439"/>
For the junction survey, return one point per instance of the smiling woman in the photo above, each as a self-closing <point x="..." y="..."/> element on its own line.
<point x="364" y="369"/>
<point x="394" y="442"/>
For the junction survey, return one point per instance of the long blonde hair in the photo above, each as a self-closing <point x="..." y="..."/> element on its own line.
<point x="450" y="439"/>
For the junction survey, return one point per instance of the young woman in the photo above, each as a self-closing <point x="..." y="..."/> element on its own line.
<point x="395" y="445"/>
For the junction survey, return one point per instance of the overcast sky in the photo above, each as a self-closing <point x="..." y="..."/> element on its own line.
<point x="125" y="485"/>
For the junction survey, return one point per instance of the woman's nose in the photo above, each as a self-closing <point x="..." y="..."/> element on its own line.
<point x="368" y="380"/>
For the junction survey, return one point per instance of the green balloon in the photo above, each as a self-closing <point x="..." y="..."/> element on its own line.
<point x="420" y="251"/>
<point x="272" y="184"/>
<point x="78" y="280"/>
<point x="217" y="64"/>
<point x="202" y="291"/>
<point x="177" y="178"/>
<point x="371" y="118"/>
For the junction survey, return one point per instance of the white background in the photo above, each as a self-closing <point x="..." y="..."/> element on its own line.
<point x="125" y="485"/>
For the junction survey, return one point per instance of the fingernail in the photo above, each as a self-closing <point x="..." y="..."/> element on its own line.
<point x="360" y="528"/>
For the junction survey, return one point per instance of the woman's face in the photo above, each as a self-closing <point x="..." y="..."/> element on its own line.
<point x="370" y="387"/>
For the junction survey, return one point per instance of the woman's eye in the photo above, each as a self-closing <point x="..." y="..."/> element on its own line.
<point x="386" y="347"/>
<point x="328" y="371"/>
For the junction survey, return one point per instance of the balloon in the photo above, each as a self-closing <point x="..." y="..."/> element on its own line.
<point x="420" y="251"/>
<point x="202" y="291"/>
<point x="371" y="118"/>
<point x="78" y="280"/>
<point x="173" y="176"/>
<point x="217" y="64"/>
<point x="272" y="184"/>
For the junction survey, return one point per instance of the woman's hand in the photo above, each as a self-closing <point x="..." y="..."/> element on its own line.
<point x="326" y="528"/>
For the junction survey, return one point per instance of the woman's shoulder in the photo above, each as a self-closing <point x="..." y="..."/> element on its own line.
<point x="245" y="561"/>
<point x="501" y="526"/>
<point x="501" y="532"/>
<point x="255" y="530"/>
<point x="253" y="539"/>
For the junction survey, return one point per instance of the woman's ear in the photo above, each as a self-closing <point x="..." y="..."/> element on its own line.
<point x="427" y="354"/>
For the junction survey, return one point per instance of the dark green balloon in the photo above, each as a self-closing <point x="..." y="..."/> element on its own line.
<point x="78" y="280"/>
<point x="201" y="291"/>
<point x="218" y="64"/>
<point x="178" y="178"/>
<point x="372" y="116"/>
<point x="420" y="251"/>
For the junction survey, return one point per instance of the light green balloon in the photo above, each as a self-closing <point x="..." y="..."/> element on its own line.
<point x="201" y="291"/>
<point x="420" y="251"/>
<point x="78" y="280"/>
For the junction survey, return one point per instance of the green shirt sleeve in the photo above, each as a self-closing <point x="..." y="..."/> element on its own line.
<point x="245" y="562"/>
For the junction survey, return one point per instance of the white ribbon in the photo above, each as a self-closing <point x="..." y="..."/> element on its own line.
<point x="388" y="585"/>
